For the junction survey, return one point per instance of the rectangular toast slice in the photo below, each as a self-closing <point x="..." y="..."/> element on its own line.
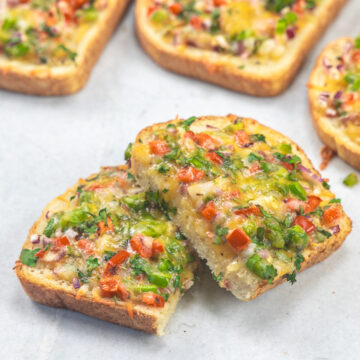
<point x="49" y="47"/>
<point x="246" y="196"/>
<point x="334" y="97"/>
<point x="103" y="248"/>
<point x="254" y="47"/>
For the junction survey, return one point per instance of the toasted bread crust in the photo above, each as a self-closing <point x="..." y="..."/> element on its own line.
<point x="217" y="69"/>
<point x="311" y="257"/>
<point x="108" y="311"/>
<point x="35" y="80"/>
<point x="55" y="293"/>
<point x="347" y="150"/>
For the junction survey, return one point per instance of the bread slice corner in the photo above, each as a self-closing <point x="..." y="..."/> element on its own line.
<point x="43" y="80"/>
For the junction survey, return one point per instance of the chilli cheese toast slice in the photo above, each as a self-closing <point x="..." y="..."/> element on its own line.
<point x="247" y="197"/>
<point x="48" y="47"/>
<point x="103" y="248"/>
<point x="255" y="47"/>
<point x="334" y="96"/>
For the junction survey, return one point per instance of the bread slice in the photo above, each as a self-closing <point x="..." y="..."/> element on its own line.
<point x="247" y="197"/>
<point x="27" y="75"/>
<point x="267" y="74"/>
<point x="73" y="259"/>
<point x="334" y="103"/>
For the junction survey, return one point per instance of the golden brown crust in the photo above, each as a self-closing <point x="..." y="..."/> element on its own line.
<point x="312" y="256"/>
<point x="226" y="74"/>
<point x="49" y="82"/>
<point x="108" y="311"/>
<point x="341" y="144"/>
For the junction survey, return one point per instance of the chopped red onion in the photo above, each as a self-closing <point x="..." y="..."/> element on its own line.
<point x="290" y="32"/>
<point x="47" y="214"/>
<point x="76" y="283"/>
<point x="264" y="253"/>
<point x="338" y="95"/>
<point x="335" y="229"/>
<point x="183" y="189"/>
<point x="12" y="3"/>
<point x="35" y="239"/>
<point x="304" y="169"/>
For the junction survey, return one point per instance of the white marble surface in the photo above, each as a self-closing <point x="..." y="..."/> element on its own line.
<point x="48" y="143"/>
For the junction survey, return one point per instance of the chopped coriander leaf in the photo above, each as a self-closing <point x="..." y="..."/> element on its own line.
<point x="351" y="180"/>
<point x="163" y="168"/>
<point x="187" y="123"/>
<point x="130" y="176"/>
<point x="335" y="201"/>
<point x="291" y="277"/>
<point x="220" y="233"/>
<point x="71" y="54"/>
<point x="217" y="277"/>
<point x="28" y="257"/>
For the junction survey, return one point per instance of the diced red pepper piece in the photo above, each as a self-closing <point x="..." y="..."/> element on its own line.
<point x="196" y="22"/>
<point x="304" y="223"/>
<point x="251" y="210"/>
<point x="139" y="245"/>
<point x="312" y="203"/>
<point x="209" y="211"/>
<point x="331" y="214"/>
<point x="242" y="138"/>
<point x="214" y="158"/>
<point x="116" y="260"/>
<point x="219" y="2"/>
<point x="356" y="56"/>
<point x="86" y="246"/>
<point x="238" y="239"/>
<point x="111" y="286"/>
<point x="287" y="166"/>
<point x="176" y="8"/>
<point x="236" y="194"/>
<point x="206" y="141"/>
<point x="103" y="228"/>
<point x="255" y="168"/>
<point x="157" y="247"/>
<point x="152" y="299"/>
<point x="62" y="241"/>
<point x="159" y="147"/>
<point x="190" y="174"/>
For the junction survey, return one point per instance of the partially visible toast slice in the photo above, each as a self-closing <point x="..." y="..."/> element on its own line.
<point x="335" y="99"/>
<point x="21" y="74"/>
<point x="247" y="197"/>
<point x="266" y="74"/>
<point x="103" y="249"/>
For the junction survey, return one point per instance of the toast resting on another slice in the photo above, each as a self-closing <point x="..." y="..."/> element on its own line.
<point x="255" y="47"/>
<point x="334" y="97"/>
<point x="104" y="248"/>
<point x="49" y="48"/>
<point x="247" y="197"/>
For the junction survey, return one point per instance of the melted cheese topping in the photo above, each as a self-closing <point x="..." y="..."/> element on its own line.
<point x="255" y="197"/>
<point x="46" y="31"/>
<point x="244" y="28"/>
<point x="110" y="238"/>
